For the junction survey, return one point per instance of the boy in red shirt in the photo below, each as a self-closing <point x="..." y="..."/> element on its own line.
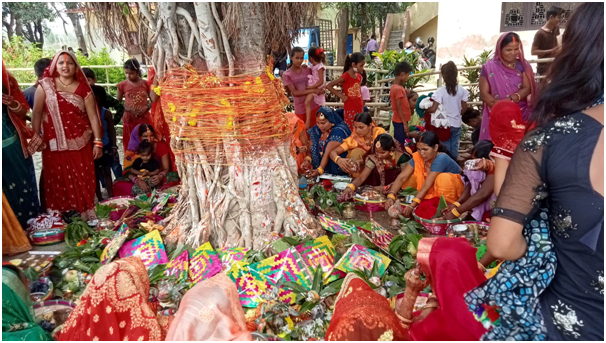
<point x="399" y="102"/>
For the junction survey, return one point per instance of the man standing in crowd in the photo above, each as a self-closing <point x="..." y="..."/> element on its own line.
<point x="372" y="45"/>
<point x="39" y="67"/>
<point x="545" y="42"/>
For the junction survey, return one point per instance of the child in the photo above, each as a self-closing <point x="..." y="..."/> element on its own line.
<point x="106" y="101"/>
<point x="135" y="91"/>
<point x="110" y="149"/>
<point x="399" y="102"/>
<point x="350" y="84"/>
<point x="144" y="166"/>
<point x="295" y="81"/>
<point x="317" y="80"/>
<point x="364" y="90"/>
<point x="473" y="118"/>
<point x="453" y="99"/>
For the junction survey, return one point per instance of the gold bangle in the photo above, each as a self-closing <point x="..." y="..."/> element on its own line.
<point x="456" y="213"/>
<point x="457" y="204"/>
<point x="320" y="170"/>
<point x="308" y="158"/>
<point x="417" y="201"/>
<point x="16" y="108"/>
<point x="337" y="159"/>
<point x="352" y="186"/>
<point x="391" y="196"/>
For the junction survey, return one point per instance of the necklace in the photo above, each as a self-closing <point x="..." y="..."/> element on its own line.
<point x="66" y="85"/>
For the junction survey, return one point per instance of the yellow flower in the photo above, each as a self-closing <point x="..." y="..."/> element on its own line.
<point x="258" y="80"/>
<point x="386" y="336"/>
<point x="247" y="83"/>
<point x="291" y="325"/>
<point x="230" y="123"/>
<point x="174" y="118"/>
<point x="157" y="90"/>
<point x="269" y="73"/>
<point x="172" y="107"/>
<point x="225" y="103"/>
<point x="192" y="122"/>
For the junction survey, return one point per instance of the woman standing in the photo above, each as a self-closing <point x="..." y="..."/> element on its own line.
<point x="507" y="77"/>
<point x="65" y="108"/>
<point x="559" y="166"/>
<point x="17" y="184"/>
<point x="327" y="135"/>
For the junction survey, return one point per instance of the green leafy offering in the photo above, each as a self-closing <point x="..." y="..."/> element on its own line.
<point x="441" y="206"/>
<point x="77" y="231"/>
<point x="103" y="211"/>
<point x="481" y="252"/>
<point x="326" y="198"/>
<point x="364" y="225"/>
<point x="408" y="191"/>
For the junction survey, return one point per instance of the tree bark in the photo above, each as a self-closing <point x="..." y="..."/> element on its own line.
<point x="250" y="51"/>
<point x="208" y="36"/>
<point x="18" y="27"/>
<point x="343" y="27"/>
<point x="74" y="18"/>
<point x="381" y="28"/>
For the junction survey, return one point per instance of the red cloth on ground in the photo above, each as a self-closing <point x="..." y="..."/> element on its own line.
<point x="452" y="268"/>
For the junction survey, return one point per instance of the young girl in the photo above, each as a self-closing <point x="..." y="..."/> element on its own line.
<point x="317" y="80"/>
<point x="135" y="91"/>
<point x="364" y="88"/>
<point x="295" y="81"/>
<point x="453" y="99"/>
<point x="350" y="83"/>
<point x="145" y="166"/>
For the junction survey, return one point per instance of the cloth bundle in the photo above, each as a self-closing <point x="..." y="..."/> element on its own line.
<point x="438" y="118"/>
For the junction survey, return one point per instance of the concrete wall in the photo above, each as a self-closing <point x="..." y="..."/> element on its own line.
<point x="467" y="30"/>
<point x="430" y="29"/>
<point x="357" y="40"/>
<point x="421" y="13"/>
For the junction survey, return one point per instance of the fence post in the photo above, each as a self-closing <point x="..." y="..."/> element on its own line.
<point x="106" y="76"/>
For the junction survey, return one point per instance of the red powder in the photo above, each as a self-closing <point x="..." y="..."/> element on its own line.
<point x="427" y="209"/>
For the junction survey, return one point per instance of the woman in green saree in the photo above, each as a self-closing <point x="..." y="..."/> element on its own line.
<point x="18" y="323"/>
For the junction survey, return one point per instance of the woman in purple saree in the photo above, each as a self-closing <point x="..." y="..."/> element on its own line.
<point x="507" y="77"/>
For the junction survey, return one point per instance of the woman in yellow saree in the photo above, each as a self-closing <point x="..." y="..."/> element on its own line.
<point x="434" y="171"/>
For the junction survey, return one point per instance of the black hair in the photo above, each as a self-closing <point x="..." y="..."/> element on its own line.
<point x="431" y="138"/>
<point x="89" y="73"/>
<point x="145" y="147"/>
<point x="470" y="114"/>
<point x="295" y="50"/>
<point x="144" y="127"/>
<point x="401" y="45"/>
<point x="450" y="74"/>
<point x="386" y="140"/>
<point x="321" y="57"/>
<point x="364" y="118"/>
<point x="402" y="67"/>
<point x="364" y="79"/>
<point x="482" y="149"/>
<point x="356" y="57"/>
<point x="509" y="39"/>
<point x="553" y="11"/>
<point x="41" y="65"/>
<point x="100" y="95"/>
<point x="133" y="64"/>
<point x="575" y="79"/>
<point x="373" y="36"/>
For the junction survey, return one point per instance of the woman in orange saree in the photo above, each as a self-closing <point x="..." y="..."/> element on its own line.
<point x="299" y="141"/>
<point x="66" y="114"/>
<point x="114" y="306"/>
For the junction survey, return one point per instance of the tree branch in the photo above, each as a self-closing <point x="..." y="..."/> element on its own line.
<point x="147" y="14"/>
<point x="60" y="17"/>
<point x="194" y="28"/>
<point x="230" y="56"/>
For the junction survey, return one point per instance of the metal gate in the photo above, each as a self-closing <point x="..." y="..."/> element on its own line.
<point x="326" y="34"/>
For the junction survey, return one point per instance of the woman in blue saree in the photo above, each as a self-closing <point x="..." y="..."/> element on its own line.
<point x="328" y="134"/>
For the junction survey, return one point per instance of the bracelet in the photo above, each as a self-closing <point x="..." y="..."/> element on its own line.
<point x="98" y="139"/>
<point x="16" y="109"/>
<point x="308" y="158"/>
<point x="456" y="213"/>
<point x="391" y="196"/>
<point x="320" y="170"/>
<point x="352" y="186"/>
<point x="457" y="204"/>
<point x="417" y="201"/>
<point x="337" y="159"/>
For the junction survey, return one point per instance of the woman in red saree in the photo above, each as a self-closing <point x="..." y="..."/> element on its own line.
<point x="66" y="110"/>
<point x="114" y="306"/>
<point x="449" y="265"/>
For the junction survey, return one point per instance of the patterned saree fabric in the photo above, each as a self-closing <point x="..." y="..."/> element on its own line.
<point x="115" y="306"/>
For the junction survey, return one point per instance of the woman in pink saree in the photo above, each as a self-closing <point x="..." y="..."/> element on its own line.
<point x="68" y="131"/>
<point x="507" y="77"/>
<point x="210" y="311"/>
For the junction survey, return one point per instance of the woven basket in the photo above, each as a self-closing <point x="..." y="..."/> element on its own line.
<point x="47" y="236"/>
<point x="437" y="227"/>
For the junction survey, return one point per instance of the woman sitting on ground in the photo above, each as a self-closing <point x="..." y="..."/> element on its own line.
<point x="434" y="171"/>
<point x="327" y="135"/>
<point x="358" y="145"/>
<point x="383" y="166"/>
<point x="161" y="152"/>
<point x="479" y="186"/>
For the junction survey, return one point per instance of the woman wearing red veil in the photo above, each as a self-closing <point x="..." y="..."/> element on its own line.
<point x="449" y="266"/>
<point x="66" y="111"/>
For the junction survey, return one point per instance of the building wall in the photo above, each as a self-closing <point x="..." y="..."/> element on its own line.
<point x="430" y="29"/>
<point x="467" y="30"/>
<point x="421" y="13"/>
